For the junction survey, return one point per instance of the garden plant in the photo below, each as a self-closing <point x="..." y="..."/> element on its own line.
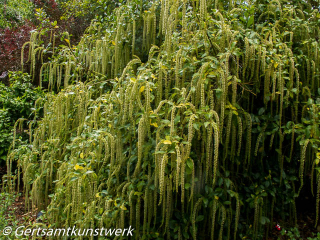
<point x="185" y="119"/>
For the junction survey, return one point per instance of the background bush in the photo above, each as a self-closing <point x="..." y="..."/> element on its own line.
<point x="16" y="101"/>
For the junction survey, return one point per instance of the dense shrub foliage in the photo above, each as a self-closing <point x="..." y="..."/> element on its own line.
<point x="185" y="119"/>
<point x="16" y="101"/>
<point x="13" y="12"/>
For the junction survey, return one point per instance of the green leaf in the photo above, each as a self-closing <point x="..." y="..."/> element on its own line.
<point x="160" y="152"/>
<point x="250" y="21"/>
<point x="199" y="218"/>
<point x="227" y="182"/>
<point x="189" y="163"/>
<point x="73" y="179"/>
<point x="264" y="220"/>
<point x="185" y="234"/>
<point x="261" y="111"/>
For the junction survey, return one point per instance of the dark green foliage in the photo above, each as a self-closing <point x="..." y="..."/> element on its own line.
<point x="16" y="101"/>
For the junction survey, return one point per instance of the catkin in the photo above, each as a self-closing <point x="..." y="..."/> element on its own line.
<point x="223" y="219"/>
<point x="260" y="136"/>
<point x="162" y="175"/>
<point x="138" y="214"/>
<point x="214" y="211"/>
<point x="141" y="135"/>
<point x="237" y="216"/>
<point x="178" y="166"/>
<point x="239" y="135"/>
<point x="248" y="142"/>
<point x="194" y="213"/>
<point x="216" y="148"/>
<point x="302" y="160"/>
<point x="317" y="202"/>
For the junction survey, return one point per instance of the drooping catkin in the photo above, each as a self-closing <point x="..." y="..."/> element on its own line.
<point x="248" y="141"/>
<point x="138" y="208"/>
<point x="192" y="180"/>
<point x="177" y="69"/>
<point x="234" y="90"/>
<point x="317" y="201"/>
<point x="246" y="57"/>
<point x="22" y="53"/>
<point x="141" y="136"/>
<point x="208" y="151"/>
<point x="313" y="72"/>
<point x="172" y="121"/>
<point x="256" y="215"/>
<point x="223" y="101"/>
<point x="274" y="83"/>
<point x="190" y="134"/>
<point x="292" y="142"/>
<point x="203" y="10"/>
<point x="226" y="146"/>
<point x="233" y="141"/>
<point x="178" y="166"/>
<point x="214" y="211"/>
<point x="260" y="136"/>
<point x="194" y="213"/>
<point x="202" y="96"/>
<point x="146" y="209"/>
<point x="182" y="185"/>
<point x="216" y="149"/>
<point x="162" y="176"/>
<point x="168" y="205"/>
<point x="237" y="216"/>
<point x="302" y="160"/>
<point x="308" y="71"/>
<point x="133" y="36"/>
<point x="223" y="219"/>
<point x="239" y="135"/>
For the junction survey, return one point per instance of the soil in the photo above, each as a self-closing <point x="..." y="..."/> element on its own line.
<point x="22" y="216"/>
<point x="18" y="207"/>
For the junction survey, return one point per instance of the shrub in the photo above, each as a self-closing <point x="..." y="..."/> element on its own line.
<point x="185" y="119"/>
<point x="14" y="12"/>
<point x="16" y="101"/>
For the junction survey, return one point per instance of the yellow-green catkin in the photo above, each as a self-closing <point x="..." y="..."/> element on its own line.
<point x="216" y="149"/>
<point x="178" y="166"/>
<point x="223" y="219"/>
<point x="133" y="36"/>
<point x="194" y="230"/>
<point x="237" y="215"/>
<point x="317" y="201"/>
<point x="239" y="135"/>
<point x="302" y="160"/>
<point x="162" y="176"/>
<point x="214" y="211"/>
<point x="248" y="141"/>
<point x="141" y="136"/>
